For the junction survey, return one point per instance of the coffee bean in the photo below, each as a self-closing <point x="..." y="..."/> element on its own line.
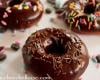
<point x="2" y="57"/>
<point x="98" y="58"/>
<point x="48" y="10"/>
<point x="15" y="46"/>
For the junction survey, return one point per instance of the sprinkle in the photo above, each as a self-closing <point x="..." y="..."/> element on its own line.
<point x="28" y="3"/>
<point x="90" y="25"/>
<point x="34" y="8"/>
<point x="74" y="14"/>
<point x="26" y="7"/>
<point x="77" y="23"/>
<point x="77" y="69"/>
<point x="20" y="7"/>
<point x="84" y="21"/>
<point x="79" y="27"/>
<point x="68" y="45"/>
<point x="72" y="5"/>
<point x="8" y="9"/>
<point x="0" y="3"/>
<point x="71" y="72"/>
<point x="68" y="60"/>
<point x="88" y="18"/>
<point x="4" y="23"/>
<point x="71" y="23"/>
<point x="16" y="6"/>
<point x="5" y="15"/>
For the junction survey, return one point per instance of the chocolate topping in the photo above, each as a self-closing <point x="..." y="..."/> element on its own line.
<point x="57" y="53"/>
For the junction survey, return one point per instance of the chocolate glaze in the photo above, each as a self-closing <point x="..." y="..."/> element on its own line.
<point x="20" y="14"/>
<point x="55" y="52"/>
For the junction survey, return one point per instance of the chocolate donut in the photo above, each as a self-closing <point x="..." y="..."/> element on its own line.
<point x="57" y="53"/>
<point x="19" y="14"/>
<point x="82" y="17"/>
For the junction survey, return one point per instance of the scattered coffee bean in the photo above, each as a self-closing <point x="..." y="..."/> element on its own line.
<point x="98" y="58"/>
<point x="2" y="57"/>
<point x="2" y="30"/>
<point x="15" y="46"/>
<point x="48" y="10"/>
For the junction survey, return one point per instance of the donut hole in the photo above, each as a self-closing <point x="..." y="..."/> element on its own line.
<point x="15" y="2"/>
<point x="55" y="46"/>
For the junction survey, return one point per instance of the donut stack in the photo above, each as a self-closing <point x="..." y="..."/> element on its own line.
<point x="19" y="14"/>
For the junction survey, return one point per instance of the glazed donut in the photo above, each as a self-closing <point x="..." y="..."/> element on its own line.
<point x="55" y="52"/>
<point x="19" y="14"/>
<point x="83" y="17"/>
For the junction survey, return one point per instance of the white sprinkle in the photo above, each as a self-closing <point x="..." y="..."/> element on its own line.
<point x="0" y="3"/>
<point x="77" y="69"/>
<point x="82" y="64"/>
<point x="5" y="15"/>
<point x="8" y="10"/>
<point x="34" y="8"/>
<point x="68" y="35"/>
<point x="47" y="42"/>
<point x="4" y="23"/>
<point x="49" y="77"/>
<point x="28" y="3"/>
<point x="20" y="7"/>
<point x="71" y="72"/>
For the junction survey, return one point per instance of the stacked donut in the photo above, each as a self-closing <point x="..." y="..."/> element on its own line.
<point x="82" y="16"/>
<point x="19" y="14"/>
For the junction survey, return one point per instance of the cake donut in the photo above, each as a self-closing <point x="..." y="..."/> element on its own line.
<point x="19" y="14"/>
<point x="82" y="17"/>
<point x="55" y="52"/>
